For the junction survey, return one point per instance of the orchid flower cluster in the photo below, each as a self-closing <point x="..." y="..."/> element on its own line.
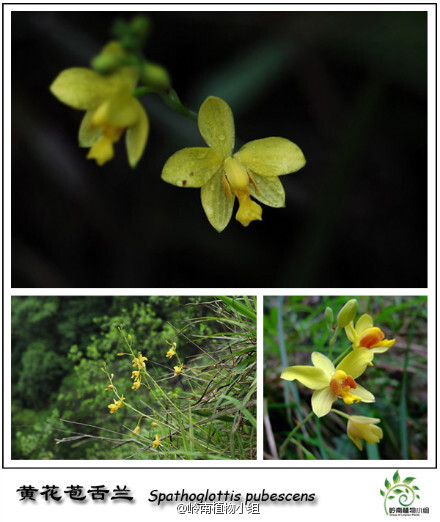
<point x="141" y="377"/>
<point x="109" y="92"/>
<point x="335" y="380"/>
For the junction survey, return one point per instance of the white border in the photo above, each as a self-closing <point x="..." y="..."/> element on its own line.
<point x="260" y="292"/>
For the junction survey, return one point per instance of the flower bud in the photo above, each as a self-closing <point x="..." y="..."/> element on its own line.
<point x="105" y="62"/>
<point x="137" y="430"/>
<point x="347" y="313"/>
<point x="329" y="316"/>
<point x="156" y="76"/>
<point x="140" y="25"/>
<point x="154" y="424"/>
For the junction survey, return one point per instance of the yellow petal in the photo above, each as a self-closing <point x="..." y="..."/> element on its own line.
<point x="269" y="191"/>
<point x="324" y="363"/>
<point x="322" y="401"/>
<point x="248" y="211"/>
<point x="113" y="47"/>
<point x="350" y="332"/>
<point x="383" y="346"/>
<point x="88" y="134"/>
<point x="359" y="419"/>
<point x="363" y="394"/>
<point x="125" y="77"/>
<point x="82" y="88"/>
<point x="216" y="204"/>
<point x="192" y="167"/>
<point x="271" y="156"/>
<point x="120" y="110"/>
<point x="312" y="377"/>
<point x="356" y="362"/>
<point x="365" y="321"/>
<point x="216" y="125"/>
<point x="137" y="136"/>
<point x="101" y="151"/>
<point x="363" y="428"/>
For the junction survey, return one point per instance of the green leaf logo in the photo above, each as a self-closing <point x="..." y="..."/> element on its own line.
<point x="400" y="491"/>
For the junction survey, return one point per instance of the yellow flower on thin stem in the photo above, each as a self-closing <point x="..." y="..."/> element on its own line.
<point x="156" y="442"/>
<point x="330" y="383"/>
<point x="110" y="109"/>
<point x="366" y="335"/>
<point x="116" y="404"/>
<point x="138" y="362"/>
<point x="178" y="369"/>
<point x="172" y="351"/>
<point x="137" y="430"/>
<point x="359" y="427"/>
<point x="223" y="176"/>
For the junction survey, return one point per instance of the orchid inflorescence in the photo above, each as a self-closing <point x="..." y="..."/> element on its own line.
<point x="108" y="93"/>
<point x="334" y="380"/>
<point x="142" y="377"/>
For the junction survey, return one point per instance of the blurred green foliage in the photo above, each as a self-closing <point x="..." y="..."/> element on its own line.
<point x="296" y="326"/>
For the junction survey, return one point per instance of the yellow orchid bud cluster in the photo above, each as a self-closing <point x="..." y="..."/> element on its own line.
<point x="334" y="380"/>
<point x="108" y="93"/>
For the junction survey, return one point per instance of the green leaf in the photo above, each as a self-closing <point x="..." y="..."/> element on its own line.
<point x="398" y="491"/>
<point x="408" y="480"/>
<point x="396" y="477"/>
<point x="239" y="307"/>
<point x="417" y="488"/>
<point x="387" y="484"/>
<point x="390" y="497"/>
<point x="417" y="496"/>
<point x="382" y="493"/>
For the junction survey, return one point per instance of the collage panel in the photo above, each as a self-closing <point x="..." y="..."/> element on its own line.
<point x="134" y="378"/>
<point x="305" y="139"/>
<point x="345" y="378"/>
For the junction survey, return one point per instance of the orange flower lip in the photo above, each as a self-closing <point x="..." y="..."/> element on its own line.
<point x="371" y="337"/>
<point x="341" y="384"/>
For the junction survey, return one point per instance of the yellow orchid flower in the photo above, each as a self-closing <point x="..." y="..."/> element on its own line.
<point x="172" y="351"/>
<point x="363" y="428"/>
<point x="366" y="335"/>
<point x="331" y="383"/>
<point x="110" y="109"/>
<point x="138" y="362"/>
<point x="156" y="442"/>
<point x="222" y="175"/>
<point x="177" y="370"/>
<point x="116" y="404"/>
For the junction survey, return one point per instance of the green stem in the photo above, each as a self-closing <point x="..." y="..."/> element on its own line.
<point x="332" y="342"/>
<point x="171" y="99"/>
<point x="340" y="413"/>
<point x="295" y="429"/>
<point x="340" y="357"/>
<point x="141" y="91"/>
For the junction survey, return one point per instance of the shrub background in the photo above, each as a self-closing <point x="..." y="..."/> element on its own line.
<point x="60" y="344"/>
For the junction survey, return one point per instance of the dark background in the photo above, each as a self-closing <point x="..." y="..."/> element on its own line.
<point x="348" y="88"/>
